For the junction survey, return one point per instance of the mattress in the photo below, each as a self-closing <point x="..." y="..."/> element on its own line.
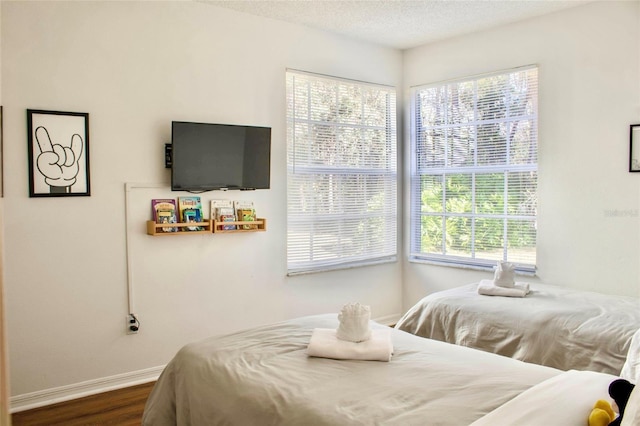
<point x="552" y="326"/>
<point x="264" y="376"/>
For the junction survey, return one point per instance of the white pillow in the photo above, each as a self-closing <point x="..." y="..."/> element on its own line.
<point x="631" y="368"/>
<point x="631" y="415"/>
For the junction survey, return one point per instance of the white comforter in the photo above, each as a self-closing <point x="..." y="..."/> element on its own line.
<point x="563" y="400"/>
<point x="264" y="376"/>
<point x="553" y="326"/>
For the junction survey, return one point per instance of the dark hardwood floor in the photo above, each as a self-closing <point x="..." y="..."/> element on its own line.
<point x="122" y="407"/>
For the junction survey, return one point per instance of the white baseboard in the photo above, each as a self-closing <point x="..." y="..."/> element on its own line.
<point x="388" y="319"/>
<point x="45" y="397"/>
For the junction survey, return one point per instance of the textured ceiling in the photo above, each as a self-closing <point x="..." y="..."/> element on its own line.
<point x="400" y="24"/>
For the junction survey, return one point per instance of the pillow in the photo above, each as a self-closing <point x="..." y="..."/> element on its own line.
<point x="632" y="411"/>
<point x="631" y="368"/>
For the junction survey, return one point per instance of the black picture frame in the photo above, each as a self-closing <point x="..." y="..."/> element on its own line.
<point x="634" y="148"/>
<point x="58" y="144"/>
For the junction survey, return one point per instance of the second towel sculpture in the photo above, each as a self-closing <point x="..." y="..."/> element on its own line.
<point x="503" y="283"/>
<point x="505" y="275"/>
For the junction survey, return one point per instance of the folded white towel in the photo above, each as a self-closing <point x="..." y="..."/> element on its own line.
<point x="325" y="344"/>
<point x="354" y="323"/>
<point x="488" y="288"/>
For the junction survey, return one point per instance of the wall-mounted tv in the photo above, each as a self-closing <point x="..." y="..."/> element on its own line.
<point x="207" y="156"/>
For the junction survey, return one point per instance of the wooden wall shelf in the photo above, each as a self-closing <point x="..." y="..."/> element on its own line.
<point x="155" y="229"/>
<point x="210" y="226"/>
<point x="260" y="225"/>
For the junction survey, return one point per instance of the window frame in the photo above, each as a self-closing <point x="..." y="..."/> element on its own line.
<point x="388" y="174"/>
<point x="416" y="174"/>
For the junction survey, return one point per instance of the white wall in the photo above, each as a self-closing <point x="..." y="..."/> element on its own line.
<point x="5" y="393"/>
<point x="135" y="67"/>
<point x="589" y="205"/>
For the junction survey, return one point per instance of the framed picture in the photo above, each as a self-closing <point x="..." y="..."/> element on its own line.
<point x="58" y="145"/>
<point x="634" y="148"/>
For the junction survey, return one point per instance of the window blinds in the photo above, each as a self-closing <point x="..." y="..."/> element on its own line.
<point x="474" y="170"/>
<point x="341" y="173"/>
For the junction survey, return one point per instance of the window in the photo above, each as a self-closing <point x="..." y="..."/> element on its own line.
<point x="341" y="173"/>
<point x="474" y="170"/>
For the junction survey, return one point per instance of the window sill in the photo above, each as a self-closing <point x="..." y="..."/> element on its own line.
<point x="485" y="268"/>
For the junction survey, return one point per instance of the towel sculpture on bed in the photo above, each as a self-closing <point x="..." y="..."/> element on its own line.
<point x="354" y="323"/>
<point x="503" y="283"/>
<point x="353" y="339"/>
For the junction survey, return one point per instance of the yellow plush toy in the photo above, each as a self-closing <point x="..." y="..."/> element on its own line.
<point x="602" y="414"/>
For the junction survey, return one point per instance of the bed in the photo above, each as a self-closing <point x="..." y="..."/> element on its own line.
<point x="263" y="376"/>
<point x="552" y="326"/>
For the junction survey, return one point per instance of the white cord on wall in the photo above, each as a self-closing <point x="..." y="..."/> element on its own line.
<point x="128" y="187"/>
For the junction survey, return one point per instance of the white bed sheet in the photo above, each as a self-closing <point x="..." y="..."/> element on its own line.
<point x="264" y="376"/>
<point x="553" y="326"/>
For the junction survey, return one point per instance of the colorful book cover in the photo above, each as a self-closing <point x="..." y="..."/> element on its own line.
<point x="223" y="211"/>
<point x="190" y="211"/>
<point x="163" y="210"/>
<point x="245" y="213"/>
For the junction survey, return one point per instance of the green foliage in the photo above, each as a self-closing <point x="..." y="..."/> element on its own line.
<point x="484" y="234"/>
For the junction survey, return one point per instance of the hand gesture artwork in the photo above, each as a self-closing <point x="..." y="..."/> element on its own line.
<point x="58" y="164"/>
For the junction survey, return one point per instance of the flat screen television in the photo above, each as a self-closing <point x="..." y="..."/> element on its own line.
<point x="207" y="156"/>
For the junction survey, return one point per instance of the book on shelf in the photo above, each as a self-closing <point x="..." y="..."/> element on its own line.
<point x="223" y="211"/>
<point x="245" y="212"/>
<point x="163" y="210"/>
<point x="190" y="209"/>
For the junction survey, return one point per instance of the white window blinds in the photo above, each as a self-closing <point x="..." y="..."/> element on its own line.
<point x="474" y="170"/>
<point x="341" y="173"/>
